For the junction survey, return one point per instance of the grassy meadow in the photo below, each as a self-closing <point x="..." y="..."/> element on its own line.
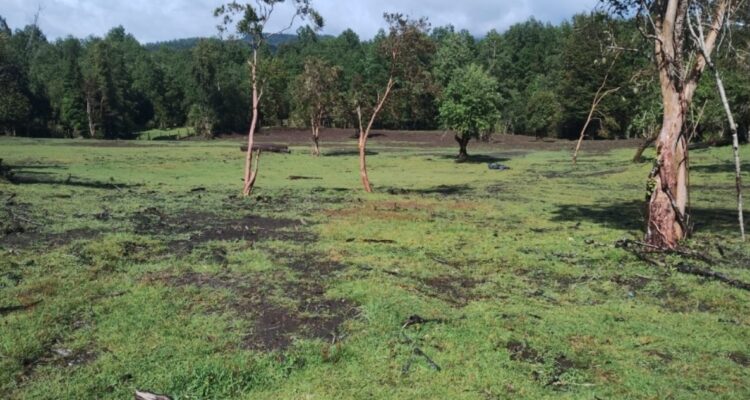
<point x="136" y="265"/>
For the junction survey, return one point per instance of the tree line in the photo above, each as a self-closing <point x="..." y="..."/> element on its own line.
<point x="533" y="79"/>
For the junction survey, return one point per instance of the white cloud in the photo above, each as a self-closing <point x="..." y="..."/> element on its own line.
<point x="151" y="20"/>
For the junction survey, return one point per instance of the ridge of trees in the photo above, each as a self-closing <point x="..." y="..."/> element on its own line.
<point x="113" y="86"/>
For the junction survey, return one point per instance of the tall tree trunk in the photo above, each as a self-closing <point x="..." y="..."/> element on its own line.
<point x="315" y="137"/>
<point x="736" y="149"/>
<point x="668" y="221"/>
<point x="463" y="142"/>
<point x="89" y="112"/>
<point x="668" y="182"/>
<point x="363" y="162"/>
<point x="251" y="173"/>
<point x="365" y="132"/>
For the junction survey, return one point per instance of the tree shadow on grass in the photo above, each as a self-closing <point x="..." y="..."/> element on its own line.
<point x="20" y="175"/>
<point x="443" y="190"/>
<point x="477" y="159"/>
<point x="727" y="167"/>
<point x="346" y="152"/>
<point x="631" y="215"/>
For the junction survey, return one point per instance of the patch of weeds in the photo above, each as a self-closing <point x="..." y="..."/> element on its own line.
<point x="116" y="249"/>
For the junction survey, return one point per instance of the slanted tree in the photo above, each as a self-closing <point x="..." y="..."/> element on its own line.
<point x="316" y="94"/>
<point x="251" y="24"/>
<point x="469" y="105"/>
<point x="699" y="38"/>
<point x="680" y="65"/>
<point x="403" y="49"/>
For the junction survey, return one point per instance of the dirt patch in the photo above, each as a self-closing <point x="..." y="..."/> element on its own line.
<point x="662" y="356"/>
<point x="202" y="227"/>
<point x="633" y="283"/>
<point x="32" y="238"/>
<point x="384" y="211"/>
<point x="739" y="358"/>
<point x="335" y="138"/>
<point x="521" y="351"/>
<point x="440" y="190"/>
<point x="280" y="309"/>
<point x="457" y="290"/>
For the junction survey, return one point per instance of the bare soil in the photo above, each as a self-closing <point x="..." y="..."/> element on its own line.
<point x="263" y="300"/>
<point x="337" y="137"/>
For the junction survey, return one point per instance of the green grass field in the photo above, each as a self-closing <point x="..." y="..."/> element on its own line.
<point x="136" y="265"/>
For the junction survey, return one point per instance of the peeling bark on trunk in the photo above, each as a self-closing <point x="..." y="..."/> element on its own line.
<point x="679" y="74"/>
<point x="668" y="184"/>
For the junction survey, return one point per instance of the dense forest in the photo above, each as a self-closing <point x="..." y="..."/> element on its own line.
<point x="546" y="77"/>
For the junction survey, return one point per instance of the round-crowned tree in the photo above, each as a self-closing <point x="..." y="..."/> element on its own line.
<point x="468" y="105"/>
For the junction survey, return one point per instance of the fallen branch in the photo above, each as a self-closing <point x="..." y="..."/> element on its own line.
<point x="712" y="275"/>
<point x="416" y="351"/>
<point x="417" y="320"/>
<point x="626" y="243"/>
<point x="8" y="310"/>
<point x="682" y="267"/>
<point x="150" y="396"/>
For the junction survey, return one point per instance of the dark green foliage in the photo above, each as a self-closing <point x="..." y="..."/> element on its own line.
<point x="546" y="76"/>
<point x="469" y="102"/>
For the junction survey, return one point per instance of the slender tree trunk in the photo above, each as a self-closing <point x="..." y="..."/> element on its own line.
<point x="647" y="142"/>
<point x="736" y="148"/>
<point x="463" y="143"/>
<point x="363" y="163"/>
<point x="365" y="132"/>
<point x="315" y="137"/>
<point x="89" y="111"/>
<point x="598" y="97"/>
<point x="251" y="172"/>
<point x="362" y="145"/>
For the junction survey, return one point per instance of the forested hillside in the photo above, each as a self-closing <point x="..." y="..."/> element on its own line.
<point x="112" y="87"/>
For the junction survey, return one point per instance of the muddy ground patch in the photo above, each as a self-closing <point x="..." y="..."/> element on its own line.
<point x="198" y="227"/>
<point x="279" y="307"/>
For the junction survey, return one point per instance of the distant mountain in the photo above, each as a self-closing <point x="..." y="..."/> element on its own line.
<point x="189" y="43"/>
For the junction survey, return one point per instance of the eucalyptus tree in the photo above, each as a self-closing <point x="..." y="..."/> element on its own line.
<point x="316" y="93"/>
<point x="680" y="63"/>
<point x="403" y="48"/>
<point x="250" y="21"/>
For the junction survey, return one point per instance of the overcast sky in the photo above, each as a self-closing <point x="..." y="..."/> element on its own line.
<point x="159" y="20"/>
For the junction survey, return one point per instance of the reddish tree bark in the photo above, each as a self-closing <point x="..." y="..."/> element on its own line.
<point x="668" y="220"/>
<point x="251" y="169"/>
